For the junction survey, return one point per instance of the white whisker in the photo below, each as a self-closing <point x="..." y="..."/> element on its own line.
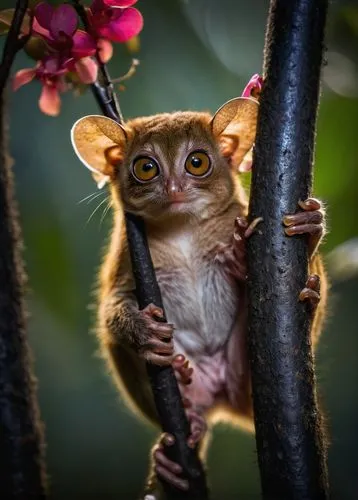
<point x="105" y="211"/>
<point x="95" y="210"/>
<point x="92" y="197"/>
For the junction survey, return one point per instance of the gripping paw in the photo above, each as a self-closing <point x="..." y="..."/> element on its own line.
<point x="310" y="221"/>
<point x="158" y="346"/>
<point x="198" y="426"/>
<point x="233" y="255"/>
<point x="167" y="469"/>
<point x="182" y="369"/>
<point x="311" y="292"/>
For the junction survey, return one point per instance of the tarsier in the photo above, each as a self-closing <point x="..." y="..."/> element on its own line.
<point x="179" y="172"/>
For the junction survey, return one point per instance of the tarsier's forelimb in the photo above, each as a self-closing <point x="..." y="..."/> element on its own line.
<point x="233" y="255"/>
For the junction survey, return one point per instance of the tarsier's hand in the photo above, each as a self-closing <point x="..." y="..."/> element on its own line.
<point x="233" y="255"/>
<point x="310" y="221"/>
<point x="155" y="343"/>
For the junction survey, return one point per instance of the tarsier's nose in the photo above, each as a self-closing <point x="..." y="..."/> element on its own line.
<point x="174" y="190"/>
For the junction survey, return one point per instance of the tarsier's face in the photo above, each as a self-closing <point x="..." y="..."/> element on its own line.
<point x="173" y="166"/>
<point x="169" y="165"/>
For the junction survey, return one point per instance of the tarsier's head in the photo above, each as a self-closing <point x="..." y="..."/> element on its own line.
<point x="169" y="164"/>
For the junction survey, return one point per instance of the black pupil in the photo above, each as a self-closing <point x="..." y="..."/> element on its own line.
<point x="196" y="162"/>
<point x="147" y="167"/>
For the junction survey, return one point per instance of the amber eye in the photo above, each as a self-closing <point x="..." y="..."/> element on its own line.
<point x="145" y="168"/>
<point x="198" y="163"/>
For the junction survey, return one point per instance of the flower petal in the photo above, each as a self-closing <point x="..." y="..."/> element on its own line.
<point x="105" y="50"/>
<point x="63" y="19"/>
<point x="87" y="70"/>
<point x="119" y="3"/>
<point x="43" y="14"/>
<point x="255" y="83"/>
<point x="50" y="102"/>
<point x="83" y="45"/>
<point x="126" y="24"/>
<point x="39" y="30"/>
<point x="23" y="77"/>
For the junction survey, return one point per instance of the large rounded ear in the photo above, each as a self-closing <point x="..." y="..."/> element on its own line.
<point x="234" y="127"/>
<point x="99" y="143"/>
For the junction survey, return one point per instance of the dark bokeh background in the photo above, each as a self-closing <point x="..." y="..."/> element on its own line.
<point x="195" y="54"/>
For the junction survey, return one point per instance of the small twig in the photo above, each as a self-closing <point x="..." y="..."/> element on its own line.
<point x="130" y="72"/>
<point x="14" y="42"/>
<point x="103" y="89"/>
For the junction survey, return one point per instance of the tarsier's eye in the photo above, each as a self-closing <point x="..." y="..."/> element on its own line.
<point x="145" y="168"/>
<point x="198" y="163"/>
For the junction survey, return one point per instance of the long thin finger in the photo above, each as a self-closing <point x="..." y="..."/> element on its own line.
<point x="164" y="330"/>
<point x="310" y="204"/>
<point x="157" y="359"/>
<point x="314" y="217"/>
<point x="252" y="226"/>
<point x="313" y="229"/>
<point x="159" y="347"/>
<point x="311" y="295"/>
<point x="153" y="310"/>
<point x="181" y="484"/>
<point x="161" y="459"/>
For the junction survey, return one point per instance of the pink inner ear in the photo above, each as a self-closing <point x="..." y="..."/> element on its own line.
<point x="228" y="145"/>
<point x="245" y="166"/>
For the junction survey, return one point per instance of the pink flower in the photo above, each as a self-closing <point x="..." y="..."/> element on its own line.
<point x="51" y="74"/>
<point x="68" y="50"/>
<point x="254" y="86"/>
<point x="115" y="20"/>
<point x="58" y="26"/>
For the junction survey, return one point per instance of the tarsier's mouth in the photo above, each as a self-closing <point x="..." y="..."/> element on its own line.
<point x="177" y="197"/>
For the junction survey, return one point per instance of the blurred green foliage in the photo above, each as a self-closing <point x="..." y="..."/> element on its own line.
<point x="195" y="54"/>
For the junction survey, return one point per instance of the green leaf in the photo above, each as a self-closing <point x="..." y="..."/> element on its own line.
<point x="6" y="20"/>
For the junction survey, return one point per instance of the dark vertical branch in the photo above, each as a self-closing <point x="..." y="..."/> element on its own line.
<point x="22" y="469"/>
<point x="291" y="451"/>
<point x="163" y="381"/>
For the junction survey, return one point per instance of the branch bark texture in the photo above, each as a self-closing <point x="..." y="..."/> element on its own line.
<point x="291" y="451"/>
<point x="22" y="468"/>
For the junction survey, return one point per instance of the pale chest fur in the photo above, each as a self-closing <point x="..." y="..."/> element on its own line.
<point x="199" y="298"/>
